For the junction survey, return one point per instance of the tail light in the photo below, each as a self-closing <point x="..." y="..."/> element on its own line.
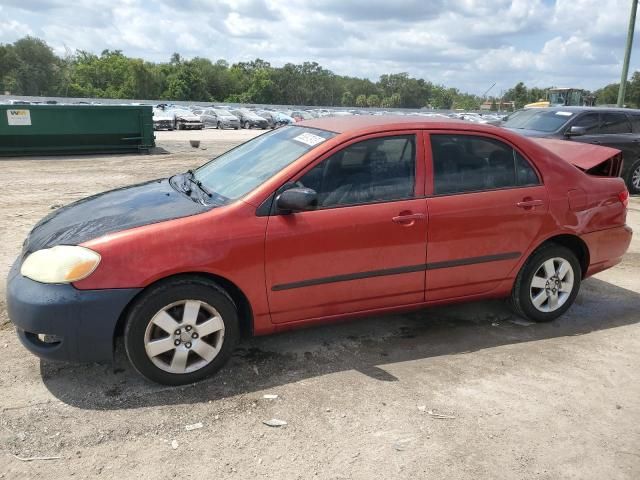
<point x="623" y="196"/>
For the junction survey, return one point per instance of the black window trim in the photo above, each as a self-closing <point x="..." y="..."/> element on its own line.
<point x="268" y="206"/>
<point x="497" y="138"/>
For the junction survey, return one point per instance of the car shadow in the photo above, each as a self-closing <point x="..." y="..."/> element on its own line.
<point x="366" y="346"/>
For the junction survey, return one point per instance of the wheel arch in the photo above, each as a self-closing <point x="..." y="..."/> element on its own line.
<point x="573" y="243"/>
<point x="245" y="312"/>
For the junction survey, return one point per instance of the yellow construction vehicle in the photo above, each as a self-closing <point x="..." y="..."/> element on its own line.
<point x="558" y="97"/>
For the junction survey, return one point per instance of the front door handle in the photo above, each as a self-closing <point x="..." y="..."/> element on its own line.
<point x="528" y="204"/>
<point x="408" y="218"/>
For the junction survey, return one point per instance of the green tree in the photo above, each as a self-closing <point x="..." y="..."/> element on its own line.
<point x="373" y="100"/>
<point x="35" y="67"/>
<point x="8" y="64"/>
<point x="518" y="94"/>
<point x="633" y="90"/>
<point x="391" y="102"/>
<point x="361" y="100"/>
<point x="607" y="95"/>
<point x="347" y="99"/>
<point x="442" y="98"/>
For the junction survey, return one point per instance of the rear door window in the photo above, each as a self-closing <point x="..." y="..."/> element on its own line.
<point x="470" y="163"/>
<point x="615" y="123"/>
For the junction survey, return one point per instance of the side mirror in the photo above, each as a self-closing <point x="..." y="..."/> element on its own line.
<point x="296" y="200"/>
<point x="576" y="131"/>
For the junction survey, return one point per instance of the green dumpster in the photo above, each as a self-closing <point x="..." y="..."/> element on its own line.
<point x="58" y="129"/>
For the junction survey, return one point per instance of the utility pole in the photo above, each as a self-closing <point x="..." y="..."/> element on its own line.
<point x="627" y="53"/>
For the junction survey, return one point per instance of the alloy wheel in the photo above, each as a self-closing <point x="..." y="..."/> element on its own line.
<point x="552" y="284"/>
<point x="635" y="178"/>
<point x="184" y="336"/>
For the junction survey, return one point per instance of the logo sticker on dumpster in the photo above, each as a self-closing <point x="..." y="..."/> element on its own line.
<point x="19" y="117"/>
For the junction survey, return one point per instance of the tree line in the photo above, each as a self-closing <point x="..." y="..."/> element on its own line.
<point x="607" y="95"/>
<point x="30" y="67"/>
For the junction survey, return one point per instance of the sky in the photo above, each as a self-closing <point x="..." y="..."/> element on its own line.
<point x="467" y="44"/>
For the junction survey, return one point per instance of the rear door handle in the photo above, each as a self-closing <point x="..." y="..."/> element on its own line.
<point x="408" y="218"/>
<point x="529" y="203"/>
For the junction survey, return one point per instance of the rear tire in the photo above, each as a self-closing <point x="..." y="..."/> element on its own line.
<point x="547" y="284"/>
<point x="633" y="178"/>
<point x="219" y="126"/>
<point x="181" y="331"/>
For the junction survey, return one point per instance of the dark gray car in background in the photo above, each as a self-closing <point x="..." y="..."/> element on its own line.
<point x="218" y="118"/>
<point x="248" y="119"/>
<point x="612" y="127"/>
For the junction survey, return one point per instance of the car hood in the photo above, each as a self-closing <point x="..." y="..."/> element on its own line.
<point x="187" y="116"/>
<point x="111" y="212"/>
<point x="530" y="133"/>
<point x="228" y="117"/>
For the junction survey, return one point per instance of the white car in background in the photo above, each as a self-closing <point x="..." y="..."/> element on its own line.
<point x="163" y="120"/>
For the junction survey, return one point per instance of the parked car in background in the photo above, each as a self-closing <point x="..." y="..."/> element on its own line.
<point x="300" y="115"/>
<point x="283" y="118"/>
<point x="163" y="120"/>
<point x="272" y="117"/>
<point x="325" y="219"/>
<point x="612" y="127"/>
<point x="186" y="120"/>
<point x="219" y="118"/>
<point x="249" y="119"/>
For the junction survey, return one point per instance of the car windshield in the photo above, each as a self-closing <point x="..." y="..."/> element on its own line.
<point x="540" y="120"/>
<point x="239" y="171"/>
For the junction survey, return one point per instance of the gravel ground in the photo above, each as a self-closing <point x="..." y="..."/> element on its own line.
<point x="468" y="391"/>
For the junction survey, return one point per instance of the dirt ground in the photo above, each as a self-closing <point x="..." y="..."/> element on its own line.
<point x="361" y="399"/>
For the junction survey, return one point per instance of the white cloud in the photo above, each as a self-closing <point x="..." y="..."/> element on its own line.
<point x="13" y="28"/>
<point x="468" y="44"/>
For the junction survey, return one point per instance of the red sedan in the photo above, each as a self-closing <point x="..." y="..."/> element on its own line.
<point x="327" y="219"/>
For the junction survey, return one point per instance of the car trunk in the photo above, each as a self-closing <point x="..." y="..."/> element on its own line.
<point x="592" y="159"/>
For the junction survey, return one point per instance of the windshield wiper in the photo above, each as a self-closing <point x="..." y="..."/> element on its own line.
<point x="191" y="177"/>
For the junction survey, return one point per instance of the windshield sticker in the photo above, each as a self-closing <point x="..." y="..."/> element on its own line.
<point x="309" y="139"/>
<point x="564" y="114"/>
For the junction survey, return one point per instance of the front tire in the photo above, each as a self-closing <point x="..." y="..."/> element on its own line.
<point x="219" y="126"/>
<point x="247" y="125"/>
<point x="633" y="178"/>
<point x="181" y="331"/>
<point x="547" y="284"/>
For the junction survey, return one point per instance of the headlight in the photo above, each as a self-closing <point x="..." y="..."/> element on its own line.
<point x="60" y="264"/>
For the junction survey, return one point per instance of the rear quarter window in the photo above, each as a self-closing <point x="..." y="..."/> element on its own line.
<point x="635" y="122"/>
<point x="615" y="123"/>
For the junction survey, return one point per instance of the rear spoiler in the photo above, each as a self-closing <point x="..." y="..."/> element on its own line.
<point x="592" y="159"/>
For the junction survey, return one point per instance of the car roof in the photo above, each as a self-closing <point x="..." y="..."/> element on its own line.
<point x="588" y="109"/>
<point x="373" y="123"/>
